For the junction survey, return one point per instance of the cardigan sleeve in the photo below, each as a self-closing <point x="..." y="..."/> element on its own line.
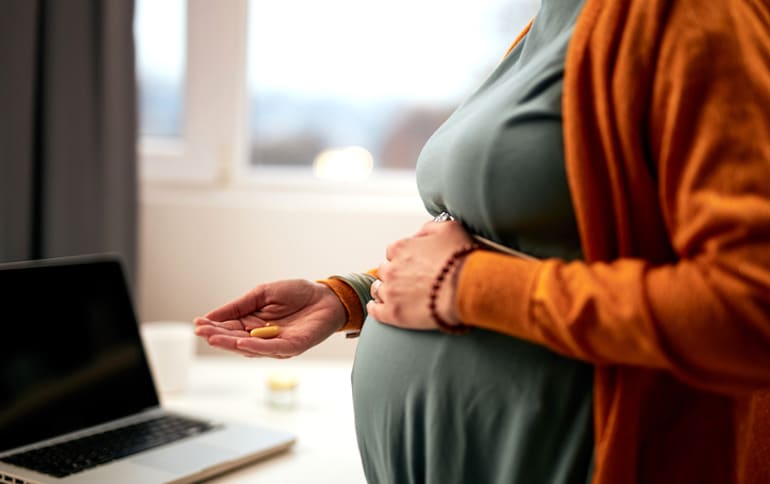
<point x="705" y="315"/>
<point x="352" y="298"/>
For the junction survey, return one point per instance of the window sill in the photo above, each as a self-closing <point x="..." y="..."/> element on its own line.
<point x="391" y="193"/>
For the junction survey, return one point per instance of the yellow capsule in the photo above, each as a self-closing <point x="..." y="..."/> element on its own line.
<point x="265" y="332"/>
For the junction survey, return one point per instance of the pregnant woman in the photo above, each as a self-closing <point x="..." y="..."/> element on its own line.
<point x="622" y="146"/>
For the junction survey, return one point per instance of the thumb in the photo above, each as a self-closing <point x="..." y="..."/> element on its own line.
<point x="247" y="304"/>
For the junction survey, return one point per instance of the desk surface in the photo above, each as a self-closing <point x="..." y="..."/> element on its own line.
<point x="234" y="388"/>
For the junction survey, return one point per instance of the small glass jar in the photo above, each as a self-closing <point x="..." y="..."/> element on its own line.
<point x="282" y="390"/>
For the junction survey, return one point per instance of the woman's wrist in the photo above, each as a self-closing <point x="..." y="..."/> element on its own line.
<point x="445" y="314"/>
<point x="353" y="292"/>
<point x="347" y="300"/>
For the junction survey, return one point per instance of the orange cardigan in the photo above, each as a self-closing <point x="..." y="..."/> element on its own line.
<point x="666" y="109"/>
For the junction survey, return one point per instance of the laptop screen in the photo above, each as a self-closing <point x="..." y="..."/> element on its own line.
<point x="71" y="353"/>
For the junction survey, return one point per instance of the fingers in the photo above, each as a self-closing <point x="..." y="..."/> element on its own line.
<point x="427" y="228"/>
<point x="435" y="226"/>
<point x="245" y="305"/>
<point x="374" y="290"/>
<point x="231" y="336"/>
<point x="245" y="323"/>
<point x="376" y="311"/>
<point x="233" y="324"/>
<point x="401" y="295"/>
<point x="276" y="348"/>
<point x="208" y="330"/>
<point x="389" y="314"/>
<point x="255" y="347"/>
<point x="229" y="343"/>
<point x="382" y="308"/>
<point x="391" y="249"/>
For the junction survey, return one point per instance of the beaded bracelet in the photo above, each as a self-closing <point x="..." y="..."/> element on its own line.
<point x="450" y="262"/>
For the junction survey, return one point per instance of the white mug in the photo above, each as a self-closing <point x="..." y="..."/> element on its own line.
<point x="170" y="347"/>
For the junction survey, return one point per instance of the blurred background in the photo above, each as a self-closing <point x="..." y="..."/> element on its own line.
<point x="216" y="144"/>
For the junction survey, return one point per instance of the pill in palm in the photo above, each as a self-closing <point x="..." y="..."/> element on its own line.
<point x="267" y="331"/>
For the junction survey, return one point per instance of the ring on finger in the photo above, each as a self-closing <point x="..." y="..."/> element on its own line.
<point x="374" y="290"/>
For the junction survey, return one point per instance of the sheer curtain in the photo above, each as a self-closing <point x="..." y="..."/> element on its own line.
<point x="68" y="170"/>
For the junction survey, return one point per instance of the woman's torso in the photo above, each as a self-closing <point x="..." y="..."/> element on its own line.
<point x="485" y="407"/>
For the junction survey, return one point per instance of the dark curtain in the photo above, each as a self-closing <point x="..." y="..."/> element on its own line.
<point x="68" y="170"/>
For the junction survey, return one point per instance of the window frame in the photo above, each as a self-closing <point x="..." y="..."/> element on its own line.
<point x="213" y="148"/>
<point x="214" y="100"/>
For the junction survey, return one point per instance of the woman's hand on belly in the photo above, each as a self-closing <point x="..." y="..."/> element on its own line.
<point x="413" y="264"/>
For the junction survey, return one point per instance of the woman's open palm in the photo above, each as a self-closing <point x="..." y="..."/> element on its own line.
<point x="306" y="313"/>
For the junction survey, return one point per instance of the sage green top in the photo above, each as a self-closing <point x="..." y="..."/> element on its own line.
<point x="484" y="407"/>
<point x="497" y="164"/>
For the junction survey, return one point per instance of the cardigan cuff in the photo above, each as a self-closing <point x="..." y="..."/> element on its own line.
<point x="349" y="300"/>
<point x="494" y="290"/>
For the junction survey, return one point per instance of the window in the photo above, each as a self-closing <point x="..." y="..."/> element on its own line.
<point x="160" y="44"/>
<point x="345" y="87"/>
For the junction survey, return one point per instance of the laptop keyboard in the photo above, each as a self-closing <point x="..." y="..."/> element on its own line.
<point x="69" y="457"/>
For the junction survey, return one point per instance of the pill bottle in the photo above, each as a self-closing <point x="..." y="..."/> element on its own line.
<point x="282" y="390"/>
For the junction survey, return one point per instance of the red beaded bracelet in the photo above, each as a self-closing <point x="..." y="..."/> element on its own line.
<point x="451" y="261"/>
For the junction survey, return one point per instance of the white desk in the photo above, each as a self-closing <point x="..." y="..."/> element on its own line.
<point x="234" y="388"/>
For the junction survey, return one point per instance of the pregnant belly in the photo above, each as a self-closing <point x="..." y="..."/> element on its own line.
<point x="434" y="407"/>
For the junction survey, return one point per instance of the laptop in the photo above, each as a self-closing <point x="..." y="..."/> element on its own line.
<point x="77" y="398"/>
